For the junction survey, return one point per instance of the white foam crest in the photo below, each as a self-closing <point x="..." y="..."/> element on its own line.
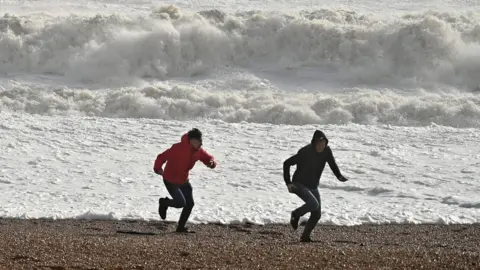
<point x="327" y="218"/>
<point x="189" y="103"/>
<point x="427" y="48"/>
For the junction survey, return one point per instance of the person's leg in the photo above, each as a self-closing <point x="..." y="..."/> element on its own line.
<point x="177" y="201"/>
<point x="187" y="209"/>
<point x="314" y="218"/>
<point x="311" y="204"/>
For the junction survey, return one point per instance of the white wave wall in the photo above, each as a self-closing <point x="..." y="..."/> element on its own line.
<point x="426" y="65"/>
<point x="427" y="47"/>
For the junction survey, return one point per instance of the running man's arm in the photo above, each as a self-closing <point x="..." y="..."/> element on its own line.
<point x="293" y="160"/>
<point x="161" y="159"/>
<point x="207" y="159"/>
<point x="332" y="163"/>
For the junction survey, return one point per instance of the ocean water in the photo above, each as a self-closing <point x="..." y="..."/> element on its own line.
<point x="92" y="91"/>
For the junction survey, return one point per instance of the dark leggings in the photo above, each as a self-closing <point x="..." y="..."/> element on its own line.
<point x="181" y="198"/>
<point x="311" y="197"/>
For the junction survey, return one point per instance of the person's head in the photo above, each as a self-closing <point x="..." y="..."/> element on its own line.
<point x="195" y="138"/>
<point x="319" y="141"/>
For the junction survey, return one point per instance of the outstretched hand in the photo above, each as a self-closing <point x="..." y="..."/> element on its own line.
<point x="342" y="179"/>
<point x="212" y="164"/>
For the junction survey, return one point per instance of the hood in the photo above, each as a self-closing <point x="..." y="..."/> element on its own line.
<point x="318" y="134"/>
<point x="184" y="139"/>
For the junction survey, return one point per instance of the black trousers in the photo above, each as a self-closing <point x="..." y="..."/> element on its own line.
<point x="182" y="197"/>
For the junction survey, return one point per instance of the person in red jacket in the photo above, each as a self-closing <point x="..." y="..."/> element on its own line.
<point x="180" y="159"/>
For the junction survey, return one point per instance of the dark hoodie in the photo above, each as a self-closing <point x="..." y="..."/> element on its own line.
<point x="310" y="163"/>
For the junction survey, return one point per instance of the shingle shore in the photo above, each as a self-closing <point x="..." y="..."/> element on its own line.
<point x="82" y="244"/>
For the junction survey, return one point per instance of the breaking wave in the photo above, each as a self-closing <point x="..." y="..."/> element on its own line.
<point x="428" y="52"/>
<point x="185" y="103"/>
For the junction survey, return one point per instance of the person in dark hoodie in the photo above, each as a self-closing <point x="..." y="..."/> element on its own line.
<point x="310" y="161"/>
<point x="180" y="159"/>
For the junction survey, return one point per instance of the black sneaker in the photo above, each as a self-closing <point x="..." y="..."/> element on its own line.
<point x="306" y="239"/>
<point x="294" y="220"/>
<point x="183" y="230"/>
<point x="162" y="208"/>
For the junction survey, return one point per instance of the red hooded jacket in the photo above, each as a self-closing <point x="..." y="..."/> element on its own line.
<point x="180" y="159"/>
